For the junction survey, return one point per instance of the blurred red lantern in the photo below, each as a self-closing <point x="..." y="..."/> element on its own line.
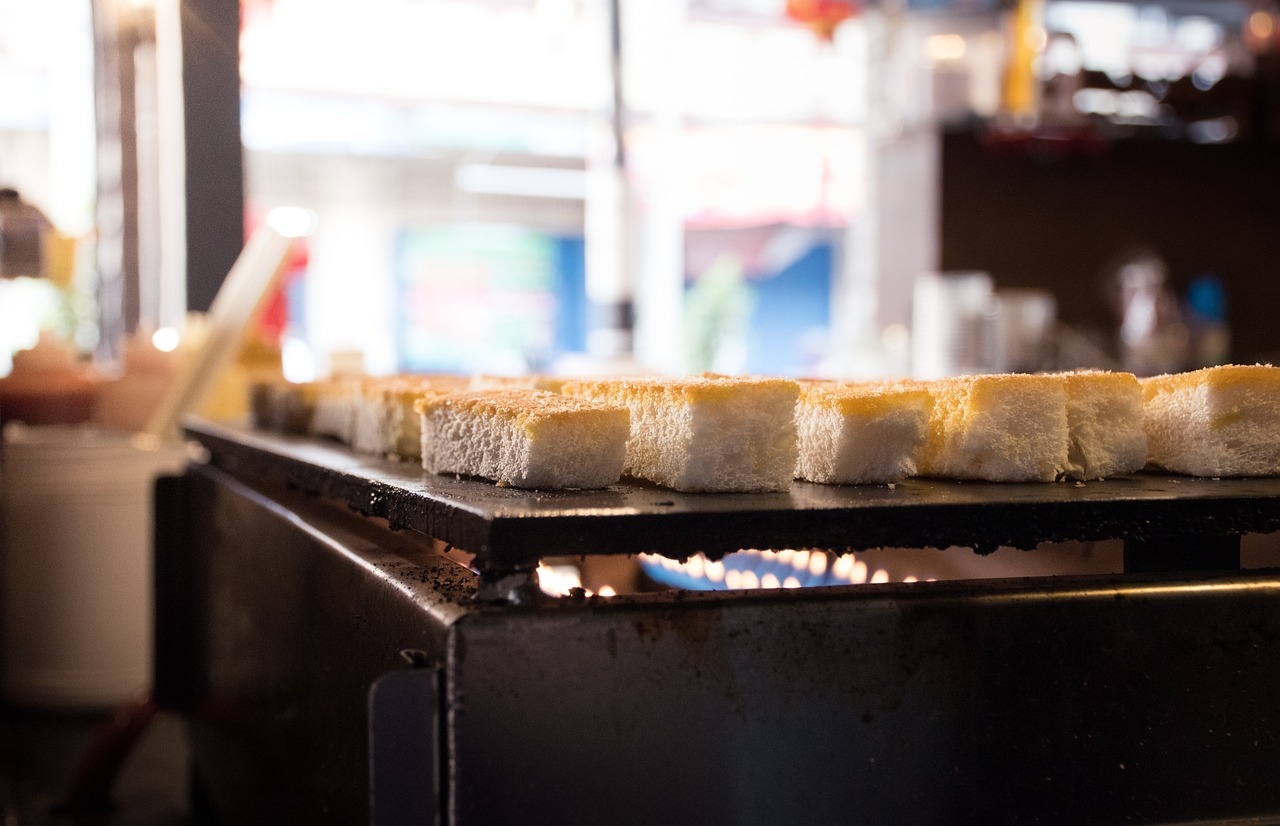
<point x="823" y="16"/>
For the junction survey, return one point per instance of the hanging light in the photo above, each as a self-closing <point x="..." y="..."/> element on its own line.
<point x="823" y="16"/>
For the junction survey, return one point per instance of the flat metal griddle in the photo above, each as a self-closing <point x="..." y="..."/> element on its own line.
<point x="509" y="529"/>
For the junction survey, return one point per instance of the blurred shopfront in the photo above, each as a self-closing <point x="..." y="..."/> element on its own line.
<point x="499" y="184"/>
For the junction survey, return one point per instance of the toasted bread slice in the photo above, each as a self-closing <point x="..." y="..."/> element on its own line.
<point x="1001" y="428"/>
<point x="283" y="406"/>
<point x="705" y="434"/>
<point x="384" y="420"/>
<point x="524" y="438"/>
<point x="859" y="433"/>
<point x="335" y="409"/>
<point x="1219" y="421"/>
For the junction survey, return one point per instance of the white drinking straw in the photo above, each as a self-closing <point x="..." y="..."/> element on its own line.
<point x="236" y="304"/>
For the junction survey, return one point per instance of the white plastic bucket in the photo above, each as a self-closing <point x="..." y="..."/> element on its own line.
<point x="75" y="564"/>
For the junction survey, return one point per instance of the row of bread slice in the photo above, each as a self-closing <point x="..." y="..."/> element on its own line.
<point x="716" y="433"/>
<point x="690" y="434"/>
<point x="1215" y="422"/>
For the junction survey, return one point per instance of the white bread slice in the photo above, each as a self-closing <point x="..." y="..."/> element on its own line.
<point x="524" y="438"/>
<point x="282" y="406"/>
<point x="705" y="434"/>
<point x="1104" y="424"/>
<point x="859" y="433"/>
<point x="260" y="394"/>
<point x="293" y="407"/>
<point x="335" y="407"/>
<point x="1000" y="428"/>
<point x="384" y="420"/>
<point x="1219" y="421"/>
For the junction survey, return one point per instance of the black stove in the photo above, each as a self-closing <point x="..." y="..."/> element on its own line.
<point x="337" y="663"/>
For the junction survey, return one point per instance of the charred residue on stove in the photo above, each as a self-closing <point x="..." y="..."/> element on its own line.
<point x="453" y="583"/>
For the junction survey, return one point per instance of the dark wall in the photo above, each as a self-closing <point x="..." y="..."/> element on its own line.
<point x="1060" y="224"/>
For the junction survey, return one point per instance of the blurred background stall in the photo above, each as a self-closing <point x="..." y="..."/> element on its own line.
<point x="739" y="185"/>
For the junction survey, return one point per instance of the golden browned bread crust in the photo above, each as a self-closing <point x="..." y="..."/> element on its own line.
<point x="865" y="399"/>
<point x="519" y="405"/>
<point x="687" y="390"/>
<point x="1262" y="376"/>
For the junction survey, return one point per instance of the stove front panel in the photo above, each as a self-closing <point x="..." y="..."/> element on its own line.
<point x="1120" y="700"/>
<point x="1134" y="698"/>
<point x="284" y="613"/>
